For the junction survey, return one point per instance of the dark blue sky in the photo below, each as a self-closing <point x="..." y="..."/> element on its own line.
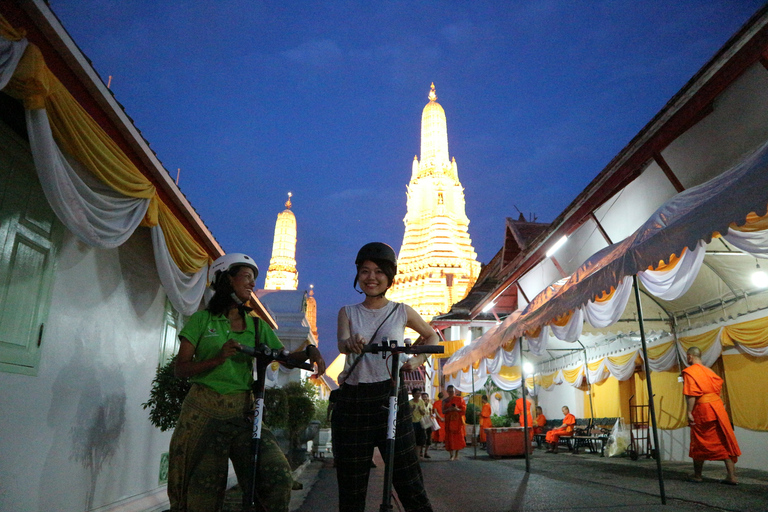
<point x="254" y="99"/>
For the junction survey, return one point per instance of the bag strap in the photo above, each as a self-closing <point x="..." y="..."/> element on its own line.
<point x="373" y="337"/>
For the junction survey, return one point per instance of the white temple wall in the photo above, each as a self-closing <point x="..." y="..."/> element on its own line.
<point x="75" y="437"/>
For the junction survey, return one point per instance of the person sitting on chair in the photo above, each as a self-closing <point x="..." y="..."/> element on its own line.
<point x="564" y="430"/>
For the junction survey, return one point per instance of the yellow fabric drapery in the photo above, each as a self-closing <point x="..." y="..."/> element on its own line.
<point x="605" y="399"/>
<point x="573" y="374"/>
<point x="659" y="350"/>
<point x="623" y="359"/>
<point x="753" y="333"/>
<point x="668" y="400"/>
<point x="451" y="346"/>
<point x="746" y="378"/>
<point x="510" y="373"/>
<point x="81" y="137"/>
<point x="703" y="341"/>
<point x="562" y="320"/>
<point x="547" y="381"/>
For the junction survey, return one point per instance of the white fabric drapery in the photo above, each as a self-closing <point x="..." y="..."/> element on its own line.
<point x="94" y="213"/>
<point x="10" y="55"/>
<point x="752" y="242"/>
<point x="673" y="283"/>
<point x="603" y="314"/>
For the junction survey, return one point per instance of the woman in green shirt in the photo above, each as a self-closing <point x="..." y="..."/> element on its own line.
<point x="215" y="423"/>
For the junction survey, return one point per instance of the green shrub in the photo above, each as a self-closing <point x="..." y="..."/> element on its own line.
<point x="321" y="413"/>
<point x="500" y="421"/>
<point x="166" y="396"/>
<point x="473" y="414"/>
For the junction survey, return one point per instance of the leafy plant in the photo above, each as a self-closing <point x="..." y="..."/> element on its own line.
<point x="321" y="413"/>
<point x="473" y="414"/>
<point x="166" y="396"/>
<point x="500" y="421"/>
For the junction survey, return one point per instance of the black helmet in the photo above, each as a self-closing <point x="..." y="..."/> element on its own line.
<point x="376" y="251"/>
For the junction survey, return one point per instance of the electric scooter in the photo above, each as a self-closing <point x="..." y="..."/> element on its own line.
<point x="263" y="356"/>
<point x="390" y="347"/>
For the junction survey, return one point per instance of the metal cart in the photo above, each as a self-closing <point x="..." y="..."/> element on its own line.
<point x="639" y="430"/>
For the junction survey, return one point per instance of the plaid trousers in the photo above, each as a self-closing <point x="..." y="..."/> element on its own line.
<point x="359" y="423"/>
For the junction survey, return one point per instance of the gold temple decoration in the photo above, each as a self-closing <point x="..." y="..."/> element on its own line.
<point x="282" y="273"/>
<point x="437" y="264"/>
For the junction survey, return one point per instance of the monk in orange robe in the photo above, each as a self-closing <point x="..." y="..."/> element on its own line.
<point x="712" y="436"/>
<point x="485" y="419"/>
<point x="519" y="411"/>
<point x="453" y="411"/>
<point x="539" y="422"/>
<point x="564" y="430"/>
<point x="438" y="436"/>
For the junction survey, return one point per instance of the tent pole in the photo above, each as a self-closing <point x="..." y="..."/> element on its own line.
<point x="589" y="387"/>
<point x="476" y="416"/>
<point x="526" y="442"/>
<point x="651" y="407"/>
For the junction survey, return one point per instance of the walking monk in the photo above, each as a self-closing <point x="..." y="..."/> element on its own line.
<point x="485" y="419"/>
<point x="453" y="411"/>
<point x="540" y="422"/>
<point x="438" y="436"/>
<point x="564" y="430"/>
<point x="712" y="436"/>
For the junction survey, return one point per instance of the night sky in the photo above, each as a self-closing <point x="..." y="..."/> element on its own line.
<point x="255" y="99"/>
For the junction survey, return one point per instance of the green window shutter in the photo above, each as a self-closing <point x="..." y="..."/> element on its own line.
<point x="28" y="228"/>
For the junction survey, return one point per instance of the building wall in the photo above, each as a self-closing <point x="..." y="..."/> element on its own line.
<point x="75" y="437"/>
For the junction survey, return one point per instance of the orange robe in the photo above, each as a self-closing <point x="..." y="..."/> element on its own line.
<point x="438" y="436"/>
<point x="712" y="436"/>
<point x="538" y="427"/>
<point x="485" y="421"/>
<point x="454" y="424"/>
<point x="519" y="410"/>
<point x="554" y="435"/>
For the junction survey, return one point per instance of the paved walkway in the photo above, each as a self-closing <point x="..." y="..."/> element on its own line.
<point x="556" y="482"/>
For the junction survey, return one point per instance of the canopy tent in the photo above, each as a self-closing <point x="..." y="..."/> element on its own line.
<point x="599" y="290"/>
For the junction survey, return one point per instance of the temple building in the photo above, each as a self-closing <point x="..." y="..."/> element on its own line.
<point x="437" y="264"/>
<point x="282" y="273"/>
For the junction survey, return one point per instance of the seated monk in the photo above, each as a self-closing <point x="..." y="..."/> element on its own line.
<point x="564" y="430"/>
<point x="539" y="422"/>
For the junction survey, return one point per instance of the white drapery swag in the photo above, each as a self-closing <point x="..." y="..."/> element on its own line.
<point x="183" y="290"/>
<point x="10" y="55"/>
<point x="94" y="213"/>
<point x="752" y="242"/>
<point x="603" y="314"/>
<point x="673" y="283"/>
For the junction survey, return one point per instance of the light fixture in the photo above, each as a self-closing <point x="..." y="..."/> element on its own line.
<point x="527" y="368"/>
<point x="552" y="250"/>
<point x="489" y="307"/>
<point x="759" y="277"/>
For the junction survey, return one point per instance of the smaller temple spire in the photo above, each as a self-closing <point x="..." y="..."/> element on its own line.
<point x="288" y="202"/>
<point x="432" y="93"/>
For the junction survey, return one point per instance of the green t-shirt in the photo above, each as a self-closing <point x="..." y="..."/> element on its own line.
<point x="208" y="333"/>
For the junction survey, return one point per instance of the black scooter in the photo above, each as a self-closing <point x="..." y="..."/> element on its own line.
<point x="263" y="356"/>
<point x="390" y="347"/>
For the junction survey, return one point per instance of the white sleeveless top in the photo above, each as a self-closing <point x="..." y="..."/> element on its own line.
<point x="364" y="321"/>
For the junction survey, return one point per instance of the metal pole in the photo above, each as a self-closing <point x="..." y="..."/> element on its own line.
<point x="526" y="441"/>
<point x="589" y="387"/>
<point x="651" y="407"/>
<point x="476" y="416"/>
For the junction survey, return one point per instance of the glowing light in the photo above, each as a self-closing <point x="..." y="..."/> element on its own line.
<point x="760" y="278"/>
<point x="527" y="368"/>
<point x="488" y="307"/>
<point x="552" y="250"/>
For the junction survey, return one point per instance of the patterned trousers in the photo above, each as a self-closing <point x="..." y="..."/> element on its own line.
<point x="359" y="424"/>
<point x="211" y="430"/>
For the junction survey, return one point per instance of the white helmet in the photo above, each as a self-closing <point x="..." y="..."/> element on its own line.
<point x="226" y="262"/>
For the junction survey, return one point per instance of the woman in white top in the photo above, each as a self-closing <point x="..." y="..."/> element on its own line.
<point x="360" y="416"/>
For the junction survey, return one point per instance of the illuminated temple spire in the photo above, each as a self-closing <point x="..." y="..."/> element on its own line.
<point x="282" y="273"/>
<point x="437" y="264"/>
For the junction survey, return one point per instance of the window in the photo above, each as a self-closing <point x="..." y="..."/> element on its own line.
<point x="172" y="326"/>
<point x="29" y="232"/>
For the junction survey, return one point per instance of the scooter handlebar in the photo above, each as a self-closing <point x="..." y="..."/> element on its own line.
<point x="273" y="354"/>
<point x="412" y="349"/>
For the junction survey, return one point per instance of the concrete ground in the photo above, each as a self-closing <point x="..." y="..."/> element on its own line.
<point x="556" y="482"/>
